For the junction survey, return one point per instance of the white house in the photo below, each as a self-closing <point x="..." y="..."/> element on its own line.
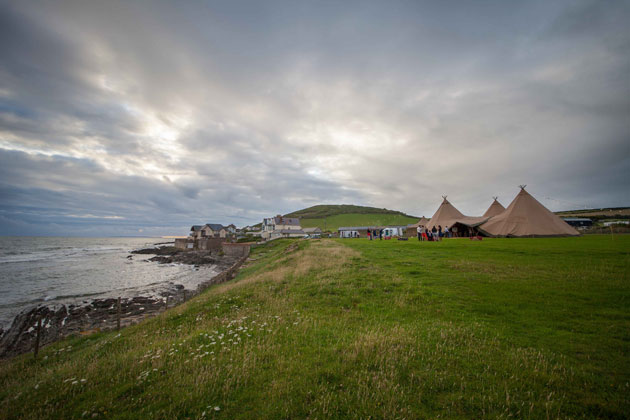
<point x="209" y="230"/>
<point x="281" y="227"/>
<point x="214" y="230"/>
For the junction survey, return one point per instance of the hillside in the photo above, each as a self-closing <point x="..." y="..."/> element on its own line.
<point x="327" y="210"/>
<point x="359" y="329"/>
<point x="331" y="217"/>
<point x="332" y="223"/>
<point x="598" y="214"/>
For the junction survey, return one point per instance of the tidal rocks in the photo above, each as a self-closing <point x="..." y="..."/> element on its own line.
<point x="162" y="250"/>
<point x="65" y="320"/>
<point x="172" y="255"/>
<point x="101" y="314"/>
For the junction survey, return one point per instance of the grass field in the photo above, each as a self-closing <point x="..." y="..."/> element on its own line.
<point x="332" y="223"/>
<point x="524" y="328"/>
<point x="327" y="210"/>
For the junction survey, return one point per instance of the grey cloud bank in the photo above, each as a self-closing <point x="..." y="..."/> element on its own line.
<point x="145" y="117"/>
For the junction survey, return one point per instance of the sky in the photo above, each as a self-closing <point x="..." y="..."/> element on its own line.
<point x="143" y="118"/>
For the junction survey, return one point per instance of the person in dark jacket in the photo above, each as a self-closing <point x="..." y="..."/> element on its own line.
<point x="434" y="234"/>
<point x="440" y="234"/>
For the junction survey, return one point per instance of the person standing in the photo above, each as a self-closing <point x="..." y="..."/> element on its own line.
<point x="419" y="230"/>
<point x="446" y="232"/>
<point x="440" y="233"/>
<point x="424" y="235"/>
<point x="434" y="234"/>
<point x="380" y="234"/>
<point x="369" y="234"/>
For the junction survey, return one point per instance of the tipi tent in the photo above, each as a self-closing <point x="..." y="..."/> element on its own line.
<point x="525" y="216"/>
<point x="411" y="230"/>
<point x="422" y="222"/>
<point x="447" y="215"/>
<point x="494" y="209"/>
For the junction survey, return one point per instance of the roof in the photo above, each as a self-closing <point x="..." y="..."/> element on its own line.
<point x="356" y="227"/>
<point x="195" y="228"/>
<point x="494" y="209"/>
<point x="525" y="216"/>
<point x="214" y="226"/>
<point x="368" y="227"/>
<point x="447" y="215"/>
<point x="422" y="222"/>
<point x="280" y="220"/>
<point x="312" y="230"/>
<point x="290" y="231"/>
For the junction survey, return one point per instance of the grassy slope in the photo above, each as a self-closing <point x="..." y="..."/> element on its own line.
<point x="332" y="223"/>
<point x="329" y="217"/>
<point x="327" y="210"/>
<point x="532" y="328"/>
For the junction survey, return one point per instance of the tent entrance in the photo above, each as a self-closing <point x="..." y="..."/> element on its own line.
<point x="460" y="230"/>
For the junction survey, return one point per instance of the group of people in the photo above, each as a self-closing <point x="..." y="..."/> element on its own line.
<point x="375" y="233"/>
<point x="433" y="234"/>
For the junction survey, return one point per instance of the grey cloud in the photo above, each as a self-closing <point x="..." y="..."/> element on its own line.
<point x="168" y="114"/>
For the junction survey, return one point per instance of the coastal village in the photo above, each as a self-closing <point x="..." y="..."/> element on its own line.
<point x="524" y="217"/>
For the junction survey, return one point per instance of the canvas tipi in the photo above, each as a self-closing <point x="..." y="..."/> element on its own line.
<point x="412" y="229"/>
<point x="422" y="222"/>
<point x="494" y="209"/>
<point x="447" y="215"/>
<point x="525" y="216"/>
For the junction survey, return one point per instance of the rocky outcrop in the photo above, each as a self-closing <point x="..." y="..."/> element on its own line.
<point x="102" y="314"/>
<point x="170" y="255"/>
<point x="64" y="320"/>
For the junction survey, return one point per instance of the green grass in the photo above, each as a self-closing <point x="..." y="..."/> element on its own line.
<point x="332" y="223"/>
<point x="524" y="328"/>
<point x="327" y="210"/>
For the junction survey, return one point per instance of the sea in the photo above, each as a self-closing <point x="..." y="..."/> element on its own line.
<point x="61" y="270"/>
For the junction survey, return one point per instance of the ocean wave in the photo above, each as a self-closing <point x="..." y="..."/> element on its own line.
<point x="58" y="253"/>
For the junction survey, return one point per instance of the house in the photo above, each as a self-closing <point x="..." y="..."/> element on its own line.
<point x="213" y="230"/>
<point x="390" y="231"/>
<point x="209" y="230"/>
<point x="195" y="231"/>
<point x="579" y="222"/>
<point x="281" y="227"/>
<point x="361" y="231"/>
<point x="312" y="231"/>
<point x="231" y="229"/>
<point x="355" y="231"/>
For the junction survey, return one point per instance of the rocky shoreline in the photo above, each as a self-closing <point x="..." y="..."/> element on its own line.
<point x="60" y="321"/>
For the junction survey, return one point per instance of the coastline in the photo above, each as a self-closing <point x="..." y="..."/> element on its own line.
<point x="61" y="320"/>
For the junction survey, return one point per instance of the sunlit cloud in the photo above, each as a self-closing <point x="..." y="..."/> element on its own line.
<point x="120" y="117"/>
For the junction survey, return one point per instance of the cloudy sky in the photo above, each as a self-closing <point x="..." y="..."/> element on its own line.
<point x="146" y="117"/>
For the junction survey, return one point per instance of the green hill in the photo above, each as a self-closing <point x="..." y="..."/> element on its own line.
<point x="362" y="329"/>
<point x="330" y="217"/>
<point x="327" y="210"/>
<point x="332" y="223"/>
